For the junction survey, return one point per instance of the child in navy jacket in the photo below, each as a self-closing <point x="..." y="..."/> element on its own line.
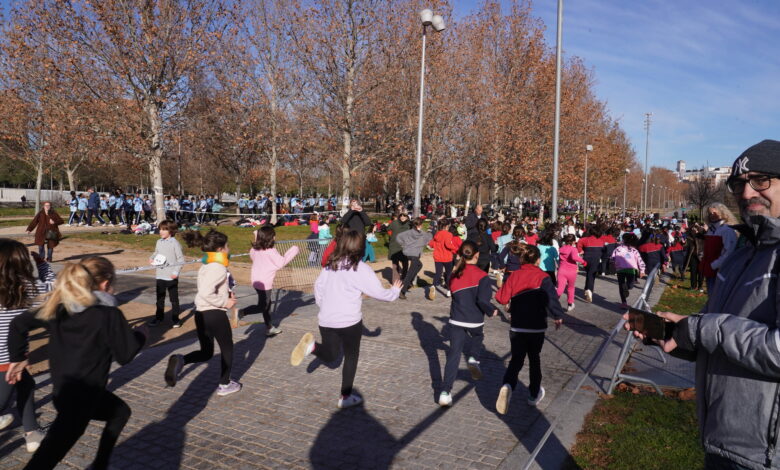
<point x="533" y="298"/>
<point x="471" y="292"/>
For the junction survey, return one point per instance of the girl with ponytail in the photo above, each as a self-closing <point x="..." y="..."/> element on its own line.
<point x="86" y="333"/>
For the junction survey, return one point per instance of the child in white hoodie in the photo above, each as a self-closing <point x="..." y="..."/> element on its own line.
<point x="628" y="264"/>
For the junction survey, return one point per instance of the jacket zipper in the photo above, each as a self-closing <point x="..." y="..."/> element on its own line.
<point x="772" y="447"/>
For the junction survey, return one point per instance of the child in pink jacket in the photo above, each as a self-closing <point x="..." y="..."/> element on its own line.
<point x="567" y="269"/>
<point x="628" y="264"/>
<point x="266" y="261"/>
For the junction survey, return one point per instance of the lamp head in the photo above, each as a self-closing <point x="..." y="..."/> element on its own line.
<point x="438" y="23"/>
<point x="426" y="16"/>
<point x="589" y="148"/>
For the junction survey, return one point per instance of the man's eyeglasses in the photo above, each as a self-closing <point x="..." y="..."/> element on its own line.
<point x="757" y="182"/>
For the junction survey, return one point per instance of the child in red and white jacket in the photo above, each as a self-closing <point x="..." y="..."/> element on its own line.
<point x="533" y="298"/>
<point x="628" y="264"/>
<point x="443" y="251"/>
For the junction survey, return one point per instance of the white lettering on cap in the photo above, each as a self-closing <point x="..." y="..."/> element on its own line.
<point x="740" y="166"/>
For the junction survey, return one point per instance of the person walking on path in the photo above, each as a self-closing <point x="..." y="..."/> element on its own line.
<point x="73" y="205"/>
<point x="167" y="252"/>
<point x="46" y="224"/>
<point x="413" y="241"/>
<point x="628" y="264"/>
<point x="23" y="281"/>
<point x="719" y="242"/>
<point x="338" y="291"/>
<point x="266" y="262"/>
<point x="213" y="300"/>
<point x="471" y="223"/>
<point x="591" y="248"/>
<point x="394" y="249"/>
<point x="443" y="251"/>
<point x="87" y="332"/>
<point x="487" y="248"/>
<point x="471" y="292"/>
<point x="567" y="270"/>
<point x="694" y="250"/>
<point x="532" y="297"/>
<point x="549" y="255"/>
<point x="93" y="207"/>
<point x="355" y="218"/>
<point x="652" y="251"/>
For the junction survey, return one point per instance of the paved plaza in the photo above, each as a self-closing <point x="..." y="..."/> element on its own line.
<point x="286" y="417"/>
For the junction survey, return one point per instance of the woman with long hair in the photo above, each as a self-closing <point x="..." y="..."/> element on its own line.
<point x="338" y="291"/>
<point x="47" y="232"/>
<point x="86" y="333"/>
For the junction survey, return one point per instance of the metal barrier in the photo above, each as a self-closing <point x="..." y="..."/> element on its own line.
<point x="640" y="302"/>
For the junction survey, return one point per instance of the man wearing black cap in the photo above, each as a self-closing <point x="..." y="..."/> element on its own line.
<point x="736" y="337"/>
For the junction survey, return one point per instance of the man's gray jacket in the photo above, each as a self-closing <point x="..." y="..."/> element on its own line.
<point x="736" y="341"/>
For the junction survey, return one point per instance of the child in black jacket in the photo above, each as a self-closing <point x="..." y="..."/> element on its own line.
<point x="533" y="298"/>
<point x="471" y="292"/>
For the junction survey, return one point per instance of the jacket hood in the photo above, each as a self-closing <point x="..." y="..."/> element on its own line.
<point x="101" y="298"/>
<point x="761" y="230"/>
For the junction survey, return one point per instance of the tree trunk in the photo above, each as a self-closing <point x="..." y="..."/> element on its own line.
<point x="155" y="158"/>
<point x="238" y="191"/>
<point x="346" y="183"/>
<point x="274" y="164"/>
<point x="468" y="202"/>
<point x="71" y="178"/>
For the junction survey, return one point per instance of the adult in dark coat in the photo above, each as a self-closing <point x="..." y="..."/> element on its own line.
<point x="46" y="222"/>
<point x="471" y="223"/>
<point x="355" y="218"/>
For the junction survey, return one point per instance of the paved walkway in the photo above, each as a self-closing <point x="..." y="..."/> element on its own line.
<point x="286" y="417"/>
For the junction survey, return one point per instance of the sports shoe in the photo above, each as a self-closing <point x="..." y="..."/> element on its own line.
<point x="502" y="403"/>
<point x="178" y="323"/>
<point x="175" y="363"/>
<point x="539" y="397"/>
<point x="402" y="296"/>
<point x="447" y="293"/>
<point x="231" y="387"/>
<point x="570" y="308"/>
<point x="588" y="296"/>
<point x="473" y="365"/>
<point x="304" y="347"/>
<point x="432" y="293"/>
<point x="33" y="440"/>
<point x="273" y="331"/>
<point x="6" y="420"/>
<point x="445" y="399"/>
<point x="154" y="322"/>
<point x="350" y="401"/>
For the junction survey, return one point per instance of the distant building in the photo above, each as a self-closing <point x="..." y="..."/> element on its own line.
<point x="718" y="174"/>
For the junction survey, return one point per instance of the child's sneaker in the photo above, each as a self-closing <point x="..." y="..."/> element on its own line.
<point x="588" y="296"/>
<point x="6" y="421"/>
<point x="229" y="388"/>
<point x="178" y="323"/>
<point x="473" y="365"/>
<point x="447" y="293"/>
<point x="502" y="403"/>
<point x="535" y="401"/>
<point x="350" y="401"/>
<point x="175" y="364"/>
<point x="304" y="347"/>
<point x="445" y="399"/>
<point x="273" y="331"/>
<point x="32" y="440"/>
<point x="571" y="308"/>
<point x="432" y="293"/>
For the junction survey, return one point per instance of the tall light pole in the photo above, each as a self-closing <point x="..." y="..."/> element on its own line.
<point x="647" y="151"/>
<point x="650" y="206"/>
<point x="557" y="111"/>
<point x="625" y="187"/>
<point x="437" y="22"/>
<point x="588" y="149"/>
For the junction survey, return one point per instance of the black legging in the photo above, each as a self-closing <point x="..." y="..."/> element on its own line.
<point x="446" y="268"/>
<point x="594" y="264"/>
<point x="696" y="277"/>
<point x="414" y="269"/>
<point x="459" y="336"/>
<point x="264" y="304"/>
<point x="328" y="350"/>
<point x="74" y="412"/>
<point x="399" y="259"/>
<point x="213" y="324"/>
<point x="523" y="344"/>
<point x="625" y="283"/>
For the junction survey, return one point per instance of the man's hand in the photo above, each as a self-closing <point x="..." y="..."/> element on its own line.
<point x="14" y="373"/>
<point x="558" y="323"/>
<point x="667" y="345"/>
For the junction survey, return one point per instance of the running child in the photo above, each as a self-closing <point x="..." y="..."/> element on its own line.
<point x="86" y="334"/>
<point x="533" y="297"/>
<point x="628" y="264"/>
<point x="167" y="252"/>
<point x="370" y="255"/>
<point x="213" y="300"/>
<point x="567" y="270"/>
<point x="338" y="292"/>
<point x="443" y="251"/>
<point x="676" y="252"/>
<point x="471" y="292"/>
<point x="266" y="261"/>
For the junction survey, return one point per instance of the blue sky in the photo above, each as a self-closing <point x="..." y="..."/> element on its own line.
<point x="707" y="70"/>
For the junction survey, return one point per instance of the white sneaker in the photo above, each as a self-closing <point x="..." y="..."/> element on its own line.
<point x="571" y="308"/>
<point x="304" y="347"/>
<point x="6" y="420"/>
<point x="273" y="331"/>
<point x="539" y="397"/>
<point x="588" y="296"/>
<point x="447" y="293"/>
<point x="502" y="403"/>
<point x="33" y="440"/>
<point x="445" y="399"/>
<point x="350" y="401"/>
<point x="227" y="389"/>
<point x="473" y="365"/>
<point x="432" y="293"/>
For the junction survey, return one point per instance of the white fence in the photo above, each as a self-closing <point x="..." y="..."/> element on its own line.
<point x="15" y="195"/>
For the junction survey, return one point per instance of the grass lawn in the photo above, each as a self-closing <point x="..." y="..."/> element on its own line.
<point x="240" y="239"/>
<point x="678" y="298"/>
<point x="18" y="211"/>
<point x="15" y="223"/>
<point x="628" y="431"/>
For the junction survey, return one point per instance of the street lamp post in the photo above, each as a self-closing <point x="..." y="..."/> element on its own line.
<point x="625" y="186"/>
<point x="650" y="205"/>
<point x="437" y="22"/>
<point x="588" y="149"/>
<point x="557" y="131"/>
